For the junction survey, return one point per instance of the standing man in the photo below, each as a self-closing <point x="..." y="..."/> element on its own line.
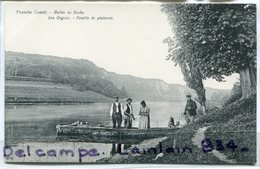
<point x="128" y="114"/>
<point x="190" y="110"/>
<point x="116" y="113"/>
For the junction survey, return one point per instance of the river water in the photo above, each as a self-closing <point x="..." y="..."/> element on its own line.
<point x="35" y="124"/>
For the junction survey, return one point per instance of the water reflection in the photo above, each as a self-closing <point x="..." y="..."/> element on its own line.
<point x="118" y="148"/>
<point x="97" y="113"/>
<point x="35" y="125"/>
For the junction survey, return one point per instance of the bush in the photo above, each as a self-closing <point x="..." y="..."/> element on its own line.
<point x="210" y="107"/>
<point x="238" y="123"/>
<point x="236" y="94"/>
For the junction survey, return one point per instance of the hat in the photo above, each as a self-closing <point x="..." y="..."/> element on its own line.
<point x="188" y="95"/>
<point x="116" y="97"/>
<point x="129" y="99"/>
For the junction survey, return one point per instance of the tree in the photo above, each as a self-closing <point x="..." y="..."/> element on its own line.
<point x="219" y="39"/>
<point x="191" y="72"/>
<point x="194" y="80"/>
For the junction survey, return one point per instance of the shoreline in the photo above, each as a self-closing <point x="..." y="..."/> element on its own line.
<point x="216" y="129"/>
<point x="52" y="103"/>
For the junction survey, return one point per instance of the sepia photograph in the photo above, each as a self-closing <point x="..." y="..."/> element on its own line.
<point x="130" y="83"/>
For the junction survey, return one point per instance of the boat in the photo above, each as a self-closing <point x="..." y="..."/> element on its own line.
<point x="84" y="132"/>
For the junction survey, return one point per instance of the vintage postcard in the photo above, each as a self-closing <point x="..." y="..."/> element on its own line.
<point x="130" y="82"/>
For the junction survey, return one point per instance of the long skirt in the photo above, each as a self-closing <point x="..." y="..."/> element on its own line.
<point x="144" y="122"/>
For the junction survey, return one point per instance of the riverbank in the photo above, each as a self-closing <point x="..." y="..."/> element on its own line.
<point x="34" y="92"/>
<point x="235" y="123"/>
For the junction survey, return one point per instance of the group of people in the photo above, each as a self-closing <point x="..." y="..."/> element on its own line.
<point x="124" y="114"/>
<point x="119" y="114"/>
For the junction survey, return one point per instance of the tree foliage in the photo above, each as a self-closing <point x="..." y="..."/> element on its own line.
<point x="219" y="39"/>
<point x="82" y="75"/>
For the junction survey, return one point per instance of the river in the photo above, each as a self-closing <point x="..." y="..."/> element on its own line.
<point x="35" y="124"/>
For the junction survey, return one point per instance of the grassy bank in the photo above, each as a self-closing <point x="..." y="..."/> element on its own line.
<point x="33" y="92"/>
<point x="240" y="126"/>
<point x="235" y="122"/>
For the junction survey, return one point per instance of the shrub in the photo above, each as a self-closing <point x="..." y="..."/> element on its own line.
<point x="236" y="94"/>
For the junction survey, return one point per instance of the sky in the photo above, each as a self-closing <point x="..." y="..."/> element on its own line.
<point x="131" y="43"/>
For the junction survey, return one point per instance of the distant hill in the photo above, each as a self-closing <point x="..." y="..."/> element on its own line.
<point x="83" y="75"/>
<point x="80" y="74"/>
<point x="158" y="90"/>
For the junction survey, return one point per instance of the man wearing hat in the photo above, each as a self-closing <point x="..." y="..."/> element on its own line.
<point x="116" y="113"/>
<point x="128" y="114"/>
<point x="190" y="109"/>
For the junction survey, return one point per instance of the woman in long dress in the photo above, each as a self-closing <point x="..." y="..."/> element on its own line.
<point x="144" y="122"/>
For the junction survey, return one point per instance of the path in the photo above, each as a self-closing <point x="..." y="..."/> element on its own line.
<point x="199" y="136"/>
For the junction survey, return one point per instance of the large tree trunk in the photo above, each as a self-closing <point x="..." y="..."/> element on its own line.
<point x="248" y="80"/>
<point x="203" y="106"/>
<point x="202" y="100"/>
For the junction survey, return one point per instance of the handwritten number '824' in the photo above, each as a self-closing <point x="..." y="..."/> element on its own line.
<point x="207" y="146"/>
